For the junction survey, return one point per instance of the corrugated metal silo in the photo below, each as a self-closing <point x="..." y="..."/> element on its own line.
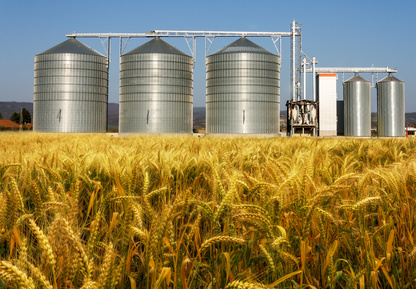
<point x="156" y="85"/>
<point x="390" y="107"/>
<point x="357" y="107"/>
<point x="70" y="89"/>
<point x="243" y="90"/>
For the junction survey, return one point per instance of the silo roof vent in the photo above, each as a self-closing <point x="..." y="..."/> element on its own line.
<point x="357" y="78"/>
<point x="71" y="46"/>
<point x="156" y="45"/>
<point x="390" y="77"/>
<point x="243" y="45"/>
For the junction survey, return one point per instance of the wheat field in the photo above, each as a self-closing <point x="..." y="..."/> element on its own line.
<point x="93" y="211"/>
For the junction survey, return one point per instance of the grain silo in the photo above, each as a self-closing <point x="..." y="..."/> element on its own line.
<point x="70" y="89"/>
<point x="243" y="90"/>
<point x="357" y="107"/>
<point x="156" y="84"/>
<point x="390" y="107"/>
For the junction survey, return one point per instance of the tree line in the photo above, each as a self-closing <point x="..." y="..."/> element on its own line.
<point x="15" y="117"/>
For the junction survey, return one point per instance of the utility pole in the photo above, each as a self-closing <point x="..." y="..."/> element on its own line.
<point x="21" y="119"/>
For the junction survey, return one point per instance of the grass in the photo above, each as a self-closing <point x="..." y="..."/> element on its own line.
<point x="92" y="211"/>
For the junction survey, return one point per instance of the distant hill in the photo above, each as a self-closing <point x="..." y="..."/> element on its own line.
<point x="7" y="108"/>
<point x="410" y="118"/>
<point x="199" y="117"/>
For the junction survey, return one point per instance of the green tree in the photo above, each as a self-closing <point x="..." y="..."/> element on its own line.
<point x="1" y="116"/>
<point x="27" y="117"/>
<point x="15" y="117"/>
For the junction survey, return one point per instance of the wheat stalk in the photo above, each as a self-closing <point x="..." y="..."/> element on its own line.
<point x="44" y="243"/>
<point x="12" y="273"/>
<point x="210" y="242"/>
<point x="244" y="285"/>
<point x="39" y="277"/>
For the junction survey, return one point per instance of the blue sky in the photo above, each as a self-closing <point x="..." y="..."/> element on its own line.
<point x="338" y="33"/>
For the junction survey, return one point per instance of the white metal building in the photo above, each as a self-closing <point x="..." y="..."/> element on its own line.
<point x="327" y="97"/>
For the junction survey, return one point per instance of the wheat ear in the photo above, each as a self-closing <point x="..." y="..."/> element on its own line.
<point x="244" y="285"/>
<point x="44" y="243"/>
<point x="12" y="273"/>
<point x="208" y="243"/>
<point x="39" y="277"/>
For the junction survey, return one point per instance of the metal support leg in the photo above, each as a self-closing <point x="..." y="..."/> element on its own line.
<point x="107" y="48"/>
<point x="275" y="39"/>
<point x="193" y="48"/>
<point x="293" y="62"/>
<point x="207" y="48"/>
<point x="314" y="78"/>
<point x="123" y="48"/>
<point x="304" y="78"/>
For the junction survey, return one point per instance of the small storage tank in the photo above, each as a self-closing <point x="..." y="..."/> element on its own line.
<point x="70" y="89"/>
<point x="357" y="107"/>
<point x="390" y="107"/>
<point x="156" y="89"/>
<point x="243" y="90"/>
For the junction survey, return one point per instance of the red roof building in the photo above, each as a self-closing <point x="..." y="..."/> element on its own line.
<point x="8" y="124"/>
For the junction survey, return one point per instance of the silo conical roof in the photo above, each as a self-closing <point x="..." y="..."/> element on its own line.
<point x="243" y="45"/>
<point x="357" y="78"/>
<point x="156" y="45"/>
<point x="72" y="46"/>
<point x="389" y="78"/>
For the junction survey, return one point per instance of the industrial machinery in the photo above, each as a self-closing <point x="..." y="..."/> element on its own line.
<point x="302" y="118"/>
<point x="156" y="82"/>
<point x="390" y="107"/>
<point x="243" y="90"/>
<point x="70" y="89"/>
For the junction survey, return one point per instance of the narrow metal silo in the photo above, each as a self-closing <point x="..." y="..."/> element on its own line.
<point x="390" y="107"/>
<point x="243" y="90"/>
<point x="156" y="85"/>
<point x="70" y="89"/>
<point x="357" y="107"/>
